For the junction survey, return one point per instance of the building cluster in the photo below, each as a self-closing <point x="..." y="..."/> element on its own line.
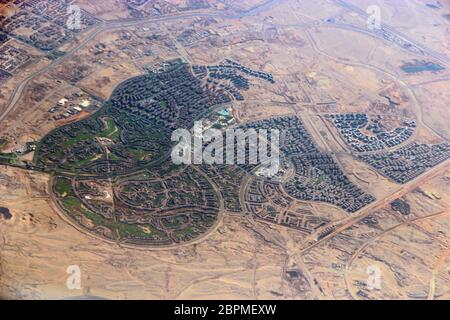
<point x="408" y="162"/>
<point x="364" y="134"/>
<point x="145" y="109"/>
<point x="139" y="43"/>
<point x="70" y="147"/>
<point x="57" y="12"/>
<point x="189" y="37"/>
<point x="303" y="220"/>
<point x="400" y="41"/>
<point x="219" y="119"/>
<point x="229" y="179"/>
<point x="188" y="189"/>
<point x="3" y="38"/>
<point x="319" y="178"/>
<point x="390" y="36"/>
<point x="167" y="210"/>
<point x="166" y="206"/>
<point x="369" y="137"/>
<point x="92" y="194"/>
<point x="401" y="206"/>
<point x="42" y="24"/>
<point x="170" y="99"/>
<point x="266" y="201"/>
<point x="231" y="76"/>
<point x="72" y="104"/>
<point x="149" y="107"/>
<point x="5" y="213"/>
<point x="317" y="175"/>
<point x="200" y="71"/>
<point x="144" y="8"/>
<point x="4" y="75"/>
<point x="248" y="71"/>
<point x="11" y="59"/>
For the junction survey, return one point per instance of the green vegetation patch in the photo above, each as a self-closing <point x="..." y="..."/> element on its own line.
<point x="82" y="163"/>
<point x="82" y="136"/>
<point x="163" y="104"/>
<point x="158" y="200"/>
<point x="74" y="205"/>
<point x="63" y="187"/>
<point x="189" y="231"/>
<point x="8" y="158"/>
<point x="111" y="131"/>
<point x="138" y="154"/>
<point x="128" y="230"/>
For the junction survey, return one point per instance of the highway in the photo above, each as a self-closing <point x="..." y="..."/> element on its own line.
<point x="114" y="24"/>
<point x="339" y="226"/>
<point x="370" y="241"/>
<point x="440" y="57"/>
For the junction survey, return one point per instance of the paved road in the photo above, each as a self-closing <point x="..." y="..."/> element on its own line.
<point x="374" y="239"/>
<point x="114" y="24"/>
<point x="442" y="58"/>
<point x="340" y="226"/>
<point x="418" y="109"/>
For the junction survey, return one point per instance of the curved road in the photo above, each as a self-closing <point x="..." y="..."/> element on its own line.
<point x="106" y="26"/>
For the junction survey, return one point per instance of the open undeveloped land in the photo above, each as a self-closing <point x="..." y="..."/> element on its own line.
<point x="360" y="209"/>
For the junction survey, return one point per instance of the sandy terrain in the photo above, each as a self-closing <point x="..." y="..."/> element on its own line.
<point x="320" y="68"/>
